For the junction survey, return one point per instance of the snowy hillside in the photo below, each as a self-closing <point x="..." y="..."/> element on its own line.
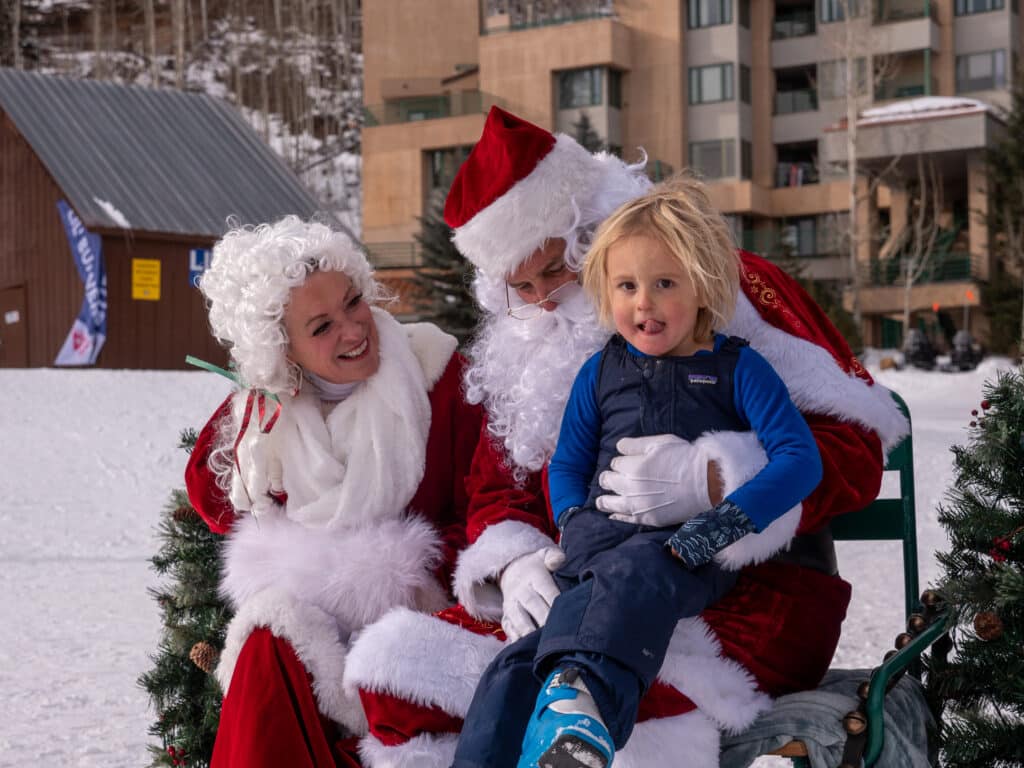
<point x="88" y="458"/>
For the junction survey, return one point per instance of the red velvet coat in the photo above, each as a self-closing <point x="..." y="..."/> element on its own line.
<point x="277" y="711"/>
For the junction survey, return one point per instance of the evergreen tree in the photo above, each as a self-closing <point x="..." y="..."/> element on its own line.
<point x="983" y="580"/>
<point x="1006" y="201"/>
<point x="443" y="279"/>
<point x="585" y="135"/>
<point x="184" y="694"/>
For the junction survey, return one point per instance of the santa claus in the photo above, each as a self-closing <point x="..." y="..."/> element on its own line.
<point x="523" y="207"/>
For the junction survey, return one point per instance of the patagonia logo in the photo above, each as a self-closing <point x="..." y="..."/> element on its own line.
<point x="702" y="378"/>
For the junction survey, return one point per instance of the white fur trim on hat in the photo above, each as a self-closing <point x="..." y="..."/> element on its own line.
<point x="541" y="206"/>
<point x="815" y="381"/>
<point x="480" y="565"/>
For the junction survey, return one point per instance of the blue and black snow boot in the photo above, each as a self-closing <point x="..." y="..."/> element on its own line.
<point x="566" y="730"/>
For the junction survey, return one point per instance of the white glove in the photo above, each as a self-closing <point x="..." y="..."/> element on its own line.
<point x="528" y="590"/>
<point x="261" y="474"/>
<point x="660" y="480"/>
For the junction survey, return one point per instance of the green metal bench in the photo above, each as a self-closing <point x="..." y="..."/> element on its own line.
<point x="927" y="617"/>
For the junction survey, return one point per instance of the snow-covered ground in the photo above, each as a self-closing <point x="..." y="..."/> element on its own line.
<point x="87" y="459"/>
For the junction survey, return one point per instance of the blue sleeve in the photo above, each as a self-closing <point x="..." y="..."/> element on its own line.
<point x="794" y="464"/>
<point x="572" y="466"/>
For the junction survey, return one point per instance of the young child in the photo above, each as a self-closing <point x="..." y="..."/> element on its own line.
<point x="664" y="272"/>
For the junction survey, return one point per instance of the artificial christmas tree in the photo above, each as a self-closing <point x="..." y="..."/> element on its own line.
<point x="185" y="695"/>
<point x="983" y="685"/>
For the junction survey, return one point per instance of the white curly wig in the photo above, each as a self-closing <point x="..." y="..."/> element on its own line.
<point x="248" y="282"/>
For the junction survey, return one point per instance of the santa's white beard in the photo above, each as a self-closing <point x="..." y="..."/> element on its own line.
<point x="522" y="372"/>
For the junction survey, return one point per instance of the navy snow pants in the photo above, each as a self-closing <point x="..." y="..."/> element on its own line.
<point x="622" y="595"/>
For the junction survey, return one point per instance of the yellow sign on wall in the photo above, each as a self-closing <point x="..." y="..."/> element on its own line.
<point x="146" y="279"/>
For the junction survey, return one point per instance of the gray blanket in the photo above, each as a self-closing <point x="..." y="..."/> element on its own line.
<point x="815" y="717"/>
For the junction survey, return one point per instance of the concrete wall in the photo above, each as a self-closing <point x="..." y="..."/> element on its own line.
<point x="416" y="40"/>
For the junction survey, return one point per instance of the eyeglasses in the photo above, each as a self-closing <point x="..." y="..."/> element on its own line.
<point x="531" y="311"/>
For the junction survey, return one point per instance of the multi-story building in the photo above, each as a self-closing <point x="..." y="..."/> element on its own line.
<point x="752" y="94"/>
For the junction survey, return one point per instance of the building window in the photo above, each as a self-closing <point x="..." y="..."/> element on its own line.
<point x="709" y="13"/>
<point x="798" y="236"/>
<point x="837" y="10"/>
<point x="710" y="84"/>
<point x="832" y="81"/>
<point x="615" y="88"/>
<point x="981" y="71"/>
<point x="443" y="164"/>
<point x="745" y="14"/>
<point x="714" y="159"/>
<point x="746" y="159"/>
<point x="967" y="7"/>
<point x="744" y="83"/>
<point x="579" y="88"/>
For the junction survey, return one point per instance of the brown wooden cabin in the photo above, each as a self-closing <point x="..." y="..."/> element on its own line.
<point x="154" y="173"/>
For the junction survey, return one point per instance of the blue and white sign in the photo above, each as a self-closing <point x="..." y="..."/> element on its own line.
<point x="89" y="331"/>
<point x="198" y="261"/>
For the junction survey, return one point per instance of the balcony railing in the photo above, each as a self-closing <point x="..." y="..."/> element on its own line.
<point x="395" y="255"/>
<point x="788" y="102"/>
<point x="414" y="109"/>
<point x="514" y="15"/>
<point x="797" y="22"/>
<point x="941" y="268"/>
<point x="892" y="11"/>
<point x="905" y="89"/>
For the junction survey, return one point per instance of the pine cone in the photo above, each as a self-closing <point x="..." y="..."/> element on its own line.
<point x="204" y="656"/>
<point x="988" y="626"/>
<point x="181" y="514"/>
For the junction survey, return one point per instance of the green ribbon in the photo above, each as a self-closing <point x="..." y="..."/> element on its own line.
<point x="223" y="372"/>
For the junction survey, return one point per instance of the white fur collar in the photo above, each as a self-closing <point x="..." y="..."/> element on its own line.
<point x="815" y="381"/>
<point x="433" y="348"/>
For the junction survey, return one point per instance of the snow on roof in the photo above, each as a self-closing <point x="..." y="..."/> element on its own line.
<point x="924" y="106"/>
<point x="921" y="108"/>
<point x="111" y="210"/>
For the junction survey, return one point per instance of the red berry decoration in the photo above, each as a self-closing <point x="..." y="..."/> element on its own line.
<point x="170" y="751"/>
<point x="974" y="412"/>
<point x="985" y="404"/>
<point x="974" y="423"/>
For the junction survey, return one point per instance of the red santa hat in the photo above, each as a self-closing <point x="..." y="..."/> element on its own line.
<point x="521" y="185"/>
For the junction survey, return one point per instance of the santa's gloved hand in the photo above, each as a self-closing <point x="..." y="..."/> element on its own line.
<point x="528" y="590"/>
<point x="659" y="480"/>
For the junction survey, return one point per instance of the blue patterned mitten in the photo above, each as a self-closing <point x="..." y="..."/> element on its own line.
<point x="701" y="538"/>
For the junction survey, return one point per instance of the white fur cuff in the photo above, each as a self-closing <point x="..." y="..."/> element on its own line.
<point x="422" y="751"/>
<point x="420" y="658"/>
<point x="740" y="456"/>
<point x="480" y="565"/>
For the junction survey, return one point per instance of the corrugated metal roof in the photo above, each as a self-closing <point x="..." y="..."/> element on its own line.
<point x="165" y="160"/>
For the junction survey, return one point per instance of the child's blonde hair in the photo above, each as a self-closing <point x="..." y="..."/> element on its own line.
<point x="677" y="213"/>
